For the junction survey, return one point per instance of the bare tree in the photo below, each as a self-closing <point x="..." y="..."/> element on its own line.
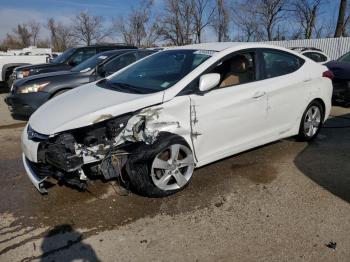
<point x="176" y="26"/>
<point x="61" y="35"/>
<point x="126" y="33"/>
<point x="245" y="18"/>
<point x="23" y="35"/>
<point x="202" y="16"/>
<point x="343" y="19"/>
<point x="221" y="21"/>
<point x="138" y="28"/>
<point x="270" y="12"/>
<point x="306" y="12"/>
<point x="152" y="36"/>
<point x="34" y="29"/>
<point x="43" y="43"/>
<point x="89" y="29"/>
<point x="11" y="42"/>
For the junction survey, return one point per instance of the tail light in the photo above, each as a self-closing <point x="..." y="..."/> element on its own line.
<point x="328" y="74"/>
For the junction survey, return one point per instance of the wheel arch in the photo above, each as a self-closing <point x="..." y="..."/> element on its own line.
<point x="60" y="90"/>
<point x="6" y="67"/>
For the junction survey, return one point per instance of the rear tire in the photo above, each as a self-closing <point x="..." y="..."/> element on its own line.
<point x="311" y="122"/>
<point x="8" y="74"/>
<point x="162" y="168"/>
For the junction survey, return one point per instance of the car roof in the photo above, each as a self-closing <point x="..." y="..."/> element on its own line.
<point x="123" y="51"/>
<point x="220" y="46"/>
<point x="121" y="46"/>
<point x="117" y="51"/>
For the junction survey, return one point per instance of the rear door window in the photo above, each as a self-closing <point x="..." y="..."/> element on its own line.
<point x="120" y="62"/>
<point x="278" y="63"/>
<point x="81" y="56"/>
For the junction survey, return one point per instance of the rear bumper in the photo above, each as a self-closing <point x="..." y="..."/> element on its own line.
<point x="37" y="181"/>
<point x="22" y="106"/>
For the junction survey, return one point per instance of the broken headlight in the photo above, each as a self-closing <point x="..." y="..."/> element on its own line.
<point x="35" y="136"/>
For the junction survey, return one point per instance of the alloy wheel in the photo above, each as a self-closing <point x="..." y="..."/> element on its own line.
<point x="173" y="167"/>
<point x="312" y="121"/>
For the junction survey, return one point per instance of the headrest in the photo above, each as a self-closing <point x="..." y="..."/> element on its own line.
<point x="239" y="64"/>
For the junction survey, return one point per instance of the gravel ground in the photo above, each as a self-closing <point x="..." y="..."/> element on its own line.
<point x="285" y="201"/>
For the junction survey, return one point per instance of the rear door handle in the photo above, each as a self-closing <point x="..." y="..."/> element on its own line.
<point x="307" y="80"/>
<point x="259" y="94"/>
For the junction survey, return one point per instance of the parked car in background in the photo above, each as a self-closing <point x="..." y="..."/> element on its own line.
<point x="313" y="53"/>
<point x="30" y="93"/>
<point x="153" y="122"/>
<point x="9" y="62"/>
<point x="341" y="81"/>
<point x="67" y="60"/>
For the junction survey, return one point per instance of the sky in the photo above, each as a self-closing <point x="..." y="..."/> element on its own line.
<point x="21" y="11"/>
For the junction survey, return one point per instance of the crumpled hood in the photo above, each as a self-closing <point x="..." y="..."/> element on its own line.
<point x="87" y="105"/>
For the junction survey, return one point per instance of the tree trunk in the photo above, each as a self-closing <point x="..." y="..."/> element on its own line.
<point x="312" y="23"/>
<point x="340" y="24"/>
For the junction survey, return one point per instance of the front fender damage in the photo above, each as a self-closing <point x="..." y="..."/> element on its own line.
<point x="145" y="126"/>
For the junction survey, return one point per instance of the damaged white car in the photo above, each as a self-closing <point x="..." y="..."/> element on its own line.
<point x="155" y="121"/>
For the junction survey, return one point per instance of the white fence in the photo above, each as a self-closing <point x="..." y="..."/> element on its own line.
<point x="333" y="47"/>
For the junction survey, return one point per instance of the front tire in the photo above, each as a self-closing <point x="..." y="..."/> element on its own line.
<point x="311" y="122"/>
<point x="161" y="169"/>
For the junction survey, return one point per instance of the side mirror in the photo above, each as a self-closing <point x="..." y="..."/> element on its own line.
<point x="72" y="63"/>
<point x="100" y="70"/>
<point x="209" y="81"/>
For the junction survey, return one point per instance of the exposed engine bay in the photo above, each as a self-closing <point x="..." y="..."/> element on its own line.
<point x="100" y="149"/>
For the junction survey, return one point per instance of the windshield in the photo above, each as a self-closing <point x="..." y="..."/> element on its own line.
<point x="345" y="58"/>
<point x="90" y="63"/>
<point x="62" y="58"/>
<point x="158" y="72"/>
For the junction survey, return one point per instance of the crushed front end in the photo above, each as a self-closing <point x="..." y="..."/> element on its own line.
<point x="99" y="150"/>
<point x="72" y="156"/>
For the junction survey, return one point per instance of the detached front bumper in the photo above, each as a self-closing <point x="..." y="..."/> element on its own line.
<point x="29" y="158"/>
<point x="37" y="181"/>
<point x="23" y="105"/>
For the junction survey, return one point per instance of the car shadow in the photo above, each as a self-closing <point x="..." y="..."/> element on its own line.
<point x="63" y="243"/>
<point x="326" y="160"/>
<point x="341" y="103"/>
<point x="3" y="89"/>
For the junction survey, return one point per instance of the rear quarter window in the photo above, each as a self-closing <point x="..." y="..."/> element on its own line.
<point x="317" y="57"/>
<point x="278" y="63"/>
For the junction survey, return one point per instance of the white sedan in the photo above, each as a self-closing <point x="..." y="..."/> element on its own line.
<point x="152" y="123"/>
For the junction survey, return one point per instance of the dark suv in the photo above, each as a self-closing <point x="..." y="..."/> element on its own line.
<point x="67" y="60"/>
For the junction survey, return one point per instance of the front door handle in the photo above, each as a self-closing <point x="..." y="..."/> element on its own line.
<point x="259" y="94"/>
